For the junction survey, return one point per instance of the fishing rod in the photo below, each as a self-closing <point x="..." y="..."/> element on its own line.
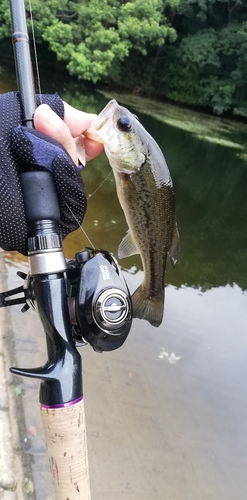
<point x="61" y="396"/>
<point x="92" y="283"/>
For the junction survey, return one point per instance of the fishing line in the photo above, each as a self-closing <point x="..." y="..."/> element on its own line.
<point x="80" y="226"/>
<point x="85" y="234"/>
<point x="90" y="195"/>
<point x="40" y="93"/>
<point x="35" y="50"/>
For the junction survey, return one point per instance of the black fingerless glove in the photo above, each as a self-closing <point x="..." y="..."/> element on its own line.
<point x="22" y="149"/>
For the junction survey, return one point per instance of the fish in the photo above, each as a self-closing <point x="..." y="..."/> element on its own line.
<point x="146" y="195"/>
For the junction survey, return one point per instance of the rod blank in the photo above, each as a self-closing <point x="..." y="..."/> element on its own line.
<point x="23" y="64"/>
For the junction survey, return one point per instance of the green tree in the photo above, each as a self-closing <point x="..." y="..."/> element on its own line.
<point x="190" y="51"/>
<point x="207" y="65"/>
<point x="95" y="36"/>
<point x="5" y="22"/>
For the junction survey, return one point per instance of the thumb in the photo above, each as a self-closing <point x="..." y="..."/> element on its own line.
<point x="49" y="123"/>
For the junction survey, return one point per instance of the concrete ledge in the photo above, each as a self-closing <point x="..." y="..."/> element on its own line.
<point x="15" y="465"/>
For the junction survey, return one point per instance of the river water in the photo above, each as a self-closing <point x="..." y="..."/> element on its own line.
<point x="167" y="413"/>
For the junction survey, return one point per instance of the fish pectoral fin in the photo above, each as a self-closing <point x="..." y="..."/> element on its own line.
<point x="80" y="149"/>
<point x="127" y="246"/>
<point x="174" y="252"/>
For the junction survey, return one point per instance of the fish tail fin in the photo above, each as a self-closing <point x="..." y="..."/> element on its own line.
<point x="149" y="308"/>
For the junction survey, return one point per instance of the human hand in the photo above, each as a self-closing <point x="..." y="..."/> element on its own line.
<point x="22" y="148"/>
<point x="75" y="122"/>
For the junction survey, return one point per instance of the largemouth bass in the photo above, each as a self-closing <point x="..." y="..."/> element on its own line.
<point x="145" y="192"/>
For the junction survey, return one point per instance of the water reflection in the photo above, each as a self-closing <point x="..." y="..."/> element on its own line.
<point x="210" y="185"/>
<point x="166" y="414"/>
<point x="209" y="182"/>
<point x="169" y="404"/>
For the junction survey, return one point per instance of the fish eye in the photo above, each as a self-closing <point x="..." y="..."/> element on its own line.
<point x="124" y="124"/>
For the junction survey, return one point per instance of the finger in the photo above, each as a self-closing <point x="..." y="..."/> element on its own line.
<point x="78" y="122"/>
<point x="92" y="148"/>
<point x="49" y="123"/>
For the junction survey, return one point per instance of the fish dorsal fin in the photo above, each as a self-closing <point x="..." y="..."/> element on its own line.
<point x="174" y="251"/>
<point x="127" y="246"/>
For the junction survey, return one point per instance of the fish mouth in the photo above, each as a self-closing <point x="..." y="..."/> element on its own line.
<point x="98" y="123"/>
<point x="108" y="109"/>
<point x="92" y="131"/>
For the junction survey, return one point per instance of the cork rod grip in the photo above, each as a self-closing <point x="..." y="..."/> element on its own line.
<point x="65" y="434"/>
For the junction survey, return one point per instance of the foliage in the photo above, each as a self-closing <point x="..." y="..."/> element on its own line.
<point x="207" y="65"/>
<point x="95" y="36"/>
<point x="209" y="68"/>
<point x="5" y="22"/>
<point x="189" y="51"/>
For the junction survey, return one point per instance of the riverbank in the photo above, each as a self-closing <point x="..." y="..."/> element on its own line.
<point x="223" y="131"/>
